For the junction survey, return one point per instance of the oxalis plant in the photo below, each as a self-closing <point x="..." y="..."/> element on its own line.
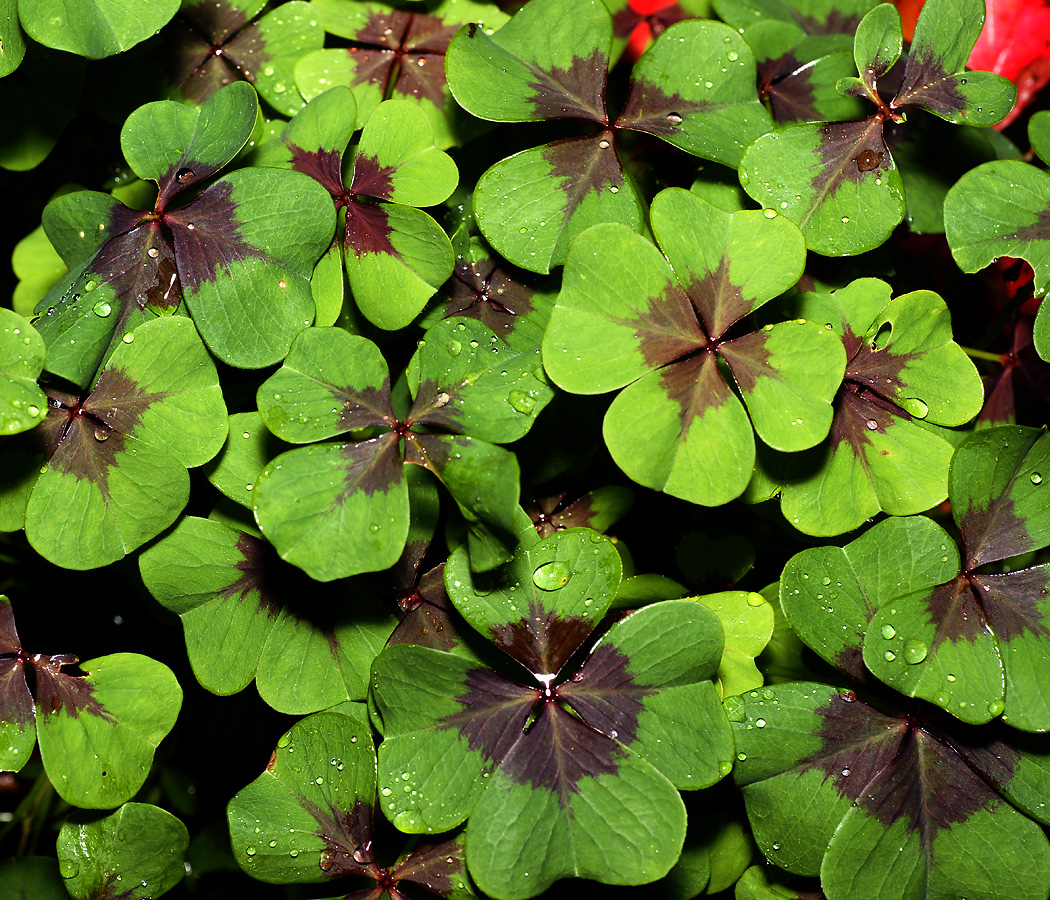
<point x="462" y="449"/>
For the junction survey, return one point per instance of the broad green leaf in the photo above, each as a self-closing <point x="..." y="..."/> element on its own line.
<point x="330" y="382"/>
<point x="37" y="266"/>
<point x="935" y="78"/>
<point x="824" y="587"/>
<point x="17" y="717"/>
<point x="179" y="146"/>
<point x="96" y="29"/>
<point x="98" y="732"/>
<point x="12" y="40"/>
<point x="903" y="371"/>
<point x="625" y="313"/>
<point x="798" y="73"/>
<point x="527" y="73"/>
<point x="747" y="623"/>
<point x="532" y="205"/>
<point x="37" y="877"/>
<point x="334" y="509"/>
<point x="241" y="605"/>
<point x="249" y="447"/>
<point x="879" y="803"/>
<point x="556" y="787"/>
<point x="135" y="853"/>
<point x="115" y="460"/>
<point x="714" y="113"/>
<point x="308" y="817"/>
<point x="486" y="388"/>
<point x="837" y="181"/>
<point x="1000" y="209"/>
<point x="22" y="352"/>
<point x="877" y="47"/>
<point x="398" y="142"/>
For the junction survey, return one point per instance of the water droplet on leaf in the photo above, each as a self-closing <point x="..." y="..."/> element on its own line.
<point x="915" y="652"/>
<point x="888" y="631"/>
<point x="552" y="576"/>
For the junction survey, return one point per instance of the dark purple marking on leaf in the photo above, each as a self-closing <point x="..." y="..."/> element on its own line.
<point x="365" y="406"/>
<point x="651" y="110"/>
<point x="285" y="590"/>
<point x="412" y="45"/>
<point x="218" y="20"/>
<point x="427" y="612"/>
<point x="368" y="230"/>
<point x="842" y="143"/>
<point x="9" y="642"/>
<point x="993" y="758"/>
<point x="786" y="88"/>
<point x="207" y="237"/>
<point x="1011" y="602"/>
<point x="182" y="176"/>
<point x="896" y="768"/>
<point x="482" y="290"/>
<point x="559" y="750"/>
<point x="605" y="695"/>
<point x="554" y="512"/>
<point x="493" y="714"/>
<point x="994" y="532"/>
<point x="928" y="85"/>
<point x="748" y="360"/>
<point x="626" y="20"/>
<point x="836" y="22"/>
<point x="209" y="46"/>
<point x="1039" y="230"/>
<point x="140" y="267"/>
<point x="371" y="179"/>
<point x="372" y="466"/>
<point x="953" y="609"/>
<point x="866" y="401"/>
<point x="667" y="330"/>
<point x="323" y="166"/>
<point x="577" y="92"/>
<point x="347" y="837"/>
<point x="83" y="439"/>
<point x="586" y="166"/>
<point x="696" y="385"/>
<point x="16" y="702"/>
<point x="433" y="866"/>
<point x="56" y="692"/>
<point x="542" y="641"/>
<point x="719" y="302"/>
<point x="868" y="160"/>
<point x="436" y="405"/>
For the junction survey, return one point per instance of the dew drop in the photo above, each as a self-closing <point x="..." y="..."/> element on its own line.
<point x="279" y="88"/>
<point x="603" y="144"/>
<point x="732" y="56"/>
<point x="250" y="851"/>
<point x="521" y="402"/>
<point x="915" y="407"/>
<point x="889" y="656"/>
<point x="755" y="599"/>
<point x="90" y="286"/>
<point x="552" y="576"/>
<point x="845" y="220"/>
<point x="915" y="652"/>
<point x="273" y="843"/>
<point x="101" y="435"/>
<point x="995" y="708"/>
<point x="769" y="213"/>
<point x="871" y="425"/>
<point x="184" y="175"/>
<point x="760" y="723"/>
<point x="674" y="120"/>
<point x="153" y="253"/>
<point x="128" y="337"/>
<point x="454" y="348"/>
<point x="1036" y="478"/>
<point x="386" y="792"/>
<point x="888" y="631"/>
<point x="614" y="190"/>
<point x="741" y="756"/>
<point x="522" y="230"/>
<point x="102" y="309"/>
<point x="951" y="678"/>
<point x="845" y="773"/>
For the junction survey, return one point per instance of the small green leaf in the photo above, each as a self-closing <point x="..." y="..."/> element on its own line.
<point x="22" y="352"/>
<point x="135" y="853"/>
<point x="94" y="30"/>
